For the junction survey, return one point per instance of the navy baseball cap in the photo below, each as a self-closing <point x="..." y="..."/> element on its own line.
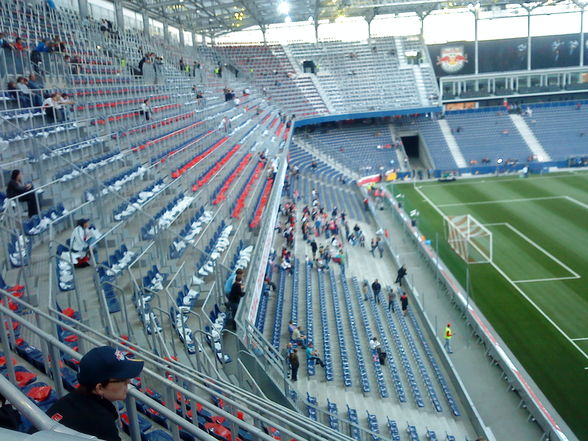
<point x="105" y="363"/>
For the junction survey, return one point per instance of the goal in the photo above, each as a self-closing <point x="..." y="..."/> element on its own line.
<point x="469" y="239"/>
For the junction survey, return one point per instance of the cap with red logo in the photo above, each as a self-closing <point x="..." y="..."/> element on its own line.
<point x="57" y="417"/>
<point x="104" y="363"/>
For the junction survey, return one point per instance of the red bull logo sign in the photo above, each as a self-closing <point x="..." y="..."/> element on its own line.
<point x="452" y="59"/>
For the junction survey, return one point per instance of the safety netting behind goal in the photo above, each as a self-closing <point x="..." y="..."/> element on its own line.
<point x="469" y="238"/>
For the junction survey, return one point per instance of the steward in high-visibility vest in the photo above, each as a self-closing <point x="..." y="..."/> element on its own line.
<point x="448" y="336"/>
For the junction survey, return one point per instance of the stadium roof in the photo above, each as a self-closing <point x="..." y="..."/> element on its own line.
<point x="216" y="17"/>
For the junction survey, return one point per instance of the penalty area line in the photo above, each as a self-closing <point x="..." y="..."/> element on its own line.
<point x="553" y="279"/>
<point x="577" y="202"/>
<point x="516" y="287"/>
<point x="503" y="201"/>
<point x="544" y="251"/>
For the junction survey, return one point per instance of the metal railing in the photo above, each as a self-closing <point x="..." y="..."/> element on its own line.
<point x="189" y="383"/>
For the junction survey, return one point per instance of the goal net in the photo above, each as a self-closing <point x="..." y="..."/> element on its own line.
<point x="469" y="238"/>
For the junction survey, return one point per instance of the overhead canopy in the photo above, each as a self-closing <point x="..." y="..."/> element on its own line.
<point x="217" y="17"/>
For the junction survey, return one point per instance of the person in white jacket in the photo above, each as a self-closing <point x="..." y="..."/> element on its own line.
<point x="81" y="239"/>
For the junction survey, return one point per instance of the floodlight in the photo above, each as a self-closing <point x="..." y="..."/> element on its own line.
<point x="283" y="8"/>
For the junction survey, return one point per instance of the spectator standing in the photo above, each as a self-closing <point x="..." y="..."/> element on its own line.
<point x="380" y="244"/>
<point x="375" y="346"/>
<point x="146" y="109"/>
<point x="287" y="350"/>
<point x="365" y="290"/>
<point x="294" y="364"/>
<point x="373" y="247"/>
<point x="15" y="188"/>
<point x="142" y="62"/>
<point x="231" y="279"/>
<point x="104" y="374"/>
<point x="235" y="297"/>
<point x="448" y="336"/>
<point x="309" y="262"/>
<point x="400" y="274"/>
<point x="313" y="355"/>
<point x="404" y="303"/>
<point x="313" y="247"/>
<point x="226" y="124"/>
<point x="391" y="299"/>
<point x="376" y="288"/>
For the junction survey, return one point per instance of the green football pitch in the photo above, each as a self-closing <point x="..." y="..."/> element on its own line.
<point x="535" y="290"/>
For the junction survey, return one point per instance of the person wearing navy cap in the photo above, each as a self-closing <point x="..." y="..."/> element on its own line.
<point x="104" y="375"/>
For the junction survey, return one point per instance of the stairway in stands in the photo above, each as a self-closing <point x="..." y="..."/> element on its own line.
<point x="408" y="388"/>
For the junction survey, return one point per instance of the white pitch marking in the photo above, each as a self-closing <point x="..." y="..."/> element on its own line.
<point x="503" y="201"/>
<point x="521" y="292"/>
<point x="577" y="202"/>
<point x="544" y="251"/>
<point x="546" y="280"/>
<point x="580" y="339"/>
<point x="484" y="181"/>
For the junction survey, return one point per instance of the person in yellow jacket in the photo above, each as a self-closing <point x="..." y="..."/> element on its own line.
<point x="448" y="335"/>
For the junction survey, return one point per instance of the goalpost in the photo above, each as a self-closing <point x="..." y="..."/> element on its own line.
<point x="469" y="239"/>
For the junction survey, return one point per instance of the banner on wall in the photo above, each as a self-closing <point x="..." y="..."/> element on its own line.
<point x="391" y="176"/>
<point x="461" y="106"/>
<point x="452" y="59"/>
<point x="547" y="52"/>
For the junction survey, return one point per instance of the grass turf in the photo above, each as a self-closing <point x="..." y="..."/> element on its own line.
<point x="546" y="237"/>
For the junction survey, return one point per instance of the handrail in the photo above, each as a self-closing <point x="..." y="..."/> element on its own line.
<point x="213" y="389"/>
<point x="207" y="384"/>
<point x="31" y="412"/>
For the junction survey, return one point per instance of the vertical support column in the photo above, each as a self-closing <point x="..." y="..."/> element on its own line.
<point x="529" y="39"/>
<point x="582" y="39"/>
<point x="316" y="26"/>
<point x="83" y="8"/>
<point x="369" y="23"/>
<point x="145" y="25"/>
<point x="166" y="32"/>
<point x="120" y="18"/>
<point x="182" y="40"/>
<point x="476" y="56"/>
